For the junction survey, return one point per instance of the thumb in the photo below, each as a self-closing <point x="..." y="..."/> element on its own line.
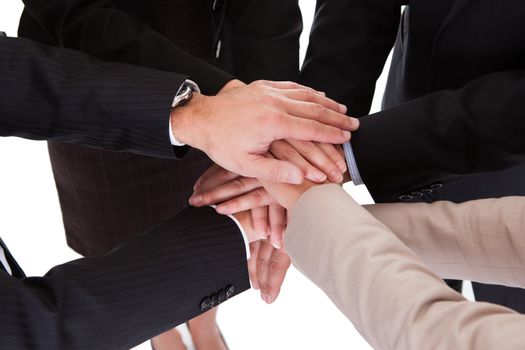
<point x="273" y="170"/>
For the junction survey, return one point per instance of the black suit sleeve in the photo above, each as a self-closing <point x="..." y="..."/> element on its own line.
<point x="118" y="300"/>
<point x="59" y="94"/>
<point x="349" y="44"/>
<point x="99" y="28"/>
<point x="265" y="38"/>
<point x="478" y="128"/>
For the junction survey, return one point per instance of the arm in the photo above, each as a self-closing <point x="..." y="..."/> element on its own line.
<point x="349" y="44"/>
<point x="478" y="240"/>
<point x="57" y="94"/>
<point x="382" y="287"/>
<point x="444" y="134"/>
<point x="100" y="28"/>
<point x="101" y="302"/>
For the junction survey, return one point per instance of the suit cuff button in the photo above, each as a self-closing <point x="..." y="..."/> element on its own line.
<point x="205" y="304"/>
<point x="405" y="197"/>
<point x="230" y="291"/>
<point x="436" y="186"/>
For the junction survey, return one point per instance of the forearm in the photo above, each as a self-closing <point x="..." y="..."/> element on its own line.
<point x="102" y="302"/>
<point x="101" y="29"/>
<point x="443" y="135"/>
<point x="478" y="240"/>
<point x="57" y="94"/>
<point x="381" y="286"/>
<point x="349" y="44"/>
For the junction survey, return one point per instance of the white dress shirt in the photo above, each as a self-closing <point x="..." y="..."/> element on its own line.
<point x="3" y="261"/>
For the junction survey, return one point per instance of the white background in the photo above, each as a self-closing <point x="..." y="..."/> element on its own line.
<point x="30" y="224"/>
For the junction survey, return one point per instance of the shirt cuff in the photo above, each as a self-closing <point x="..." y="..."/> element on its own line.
<point x="195" y="88"/>
<point x="352" y="165"/>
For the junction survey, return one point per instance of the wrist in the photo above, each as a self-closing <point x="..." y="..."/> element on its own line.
<point x="187" y="120"/>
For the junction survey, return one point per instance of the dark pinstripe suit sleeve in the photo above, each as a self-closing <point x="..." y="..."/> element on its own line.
<point x="121" y="299"/>
<point x="86" y="25"/>
<point x="57" y="94"/>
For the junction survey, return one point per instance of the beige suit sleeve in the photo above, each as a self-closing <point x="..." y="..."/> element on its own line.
<point x="394" y="301"/>
<point x="482" y="240"/>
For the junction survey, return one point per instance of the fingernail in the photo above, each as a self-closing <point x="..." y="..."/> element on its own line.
<point x="267" y="299"/>
<point x="294" y="178"/>
<point x="263" y="235"/>
<point x="336" y="176"/>
<point x="355" y="122"/>
<point x="277" y="245"/>
<point x="316" y="176"/>
<point x="342" y="166"/>
<point x="342" y="108"/>
<point x="196" y="200"/>
<point x="347" y="135"/>
<point x="322" y="93"/>
<point x="255" y="285"/>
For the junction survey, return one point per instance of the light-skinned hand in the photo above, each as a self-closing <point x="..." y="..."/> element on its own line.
<point x="237" y="127"/>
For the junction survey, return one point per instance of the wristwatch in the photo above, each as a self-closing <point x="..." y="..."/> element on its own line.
<point x="184" y="94"/>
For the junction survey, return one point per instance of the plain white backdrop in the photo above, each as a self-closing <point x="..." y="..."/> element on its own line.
<point x="30" y="224"/>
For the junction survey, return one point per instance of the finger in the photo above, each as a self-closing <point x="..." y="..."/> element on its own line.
<point x="260" y="221"/>
<point x="256" y="198"/>
<point x="272" y="169"/>
<point x="287" y="85"/>
<point x="289" y="127"/>
<point x="315" y="155"/>
<point x="308" y="95"/>
<point x="252" y="263"/>
<point x="335" y="153"/>
<point x="235" y="188"/>
<point x="278" y="266"/>
<point x="283" y="150"/>
<point x="320" y="113"/>
<point x="277" y="220"/>
<point x="263" y="262"/>
<point x="213" y="177"/>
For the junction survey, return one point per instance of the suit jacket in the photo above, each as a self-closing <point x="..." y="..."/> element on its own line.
<point x="453" y="98"/>
<point x="108" y="198"/>
<point x="385" y="289"/>
<point x="170" y="274"/>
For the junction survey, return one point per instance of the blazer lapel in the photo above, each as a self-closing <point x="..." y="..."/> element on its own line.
<point x="15" y="268"/>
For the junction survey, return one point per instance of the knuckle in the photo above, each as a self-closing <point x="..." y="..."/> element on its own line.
<point x="258" y="196"/>
<point x="318" y="110"/>
<point x="239" y="184"/>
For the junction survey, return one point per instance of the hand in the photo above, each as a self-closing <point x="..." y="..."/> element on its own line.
<point x="318" y="161"/>
<point x="287" y="195"/>
<point x="236" y="194"/>
<point x="236" y="127"/>
<point x="267" y="268"/>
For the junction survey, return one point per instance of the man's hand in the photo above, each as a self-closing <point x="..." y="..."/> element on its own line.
<point x="267" y="268"/>
<point x="235" y="194"/>
<point x="236" y="127"/>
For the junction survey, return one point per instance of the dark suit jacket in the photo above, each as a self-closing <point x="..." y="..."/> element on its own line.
<point x="166" y="276"/>
<point x="453" y="104"/>
<point x="108" y="198"/>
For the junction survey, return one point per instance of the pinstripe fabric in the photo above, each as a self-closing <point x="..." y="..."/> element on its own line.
<point x="118" y="300"/>
<point x="108" y="198"/>
<point x="63" y="95"/>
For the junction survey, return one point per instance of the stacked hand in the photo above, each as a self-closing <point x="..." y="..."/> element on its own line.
<point x="264" y="137"/>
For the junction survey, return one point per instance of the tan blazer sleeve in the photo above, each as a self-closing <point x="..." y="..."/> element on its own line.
<point x="394" y="301"/>
<point x="482" y="240"/>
